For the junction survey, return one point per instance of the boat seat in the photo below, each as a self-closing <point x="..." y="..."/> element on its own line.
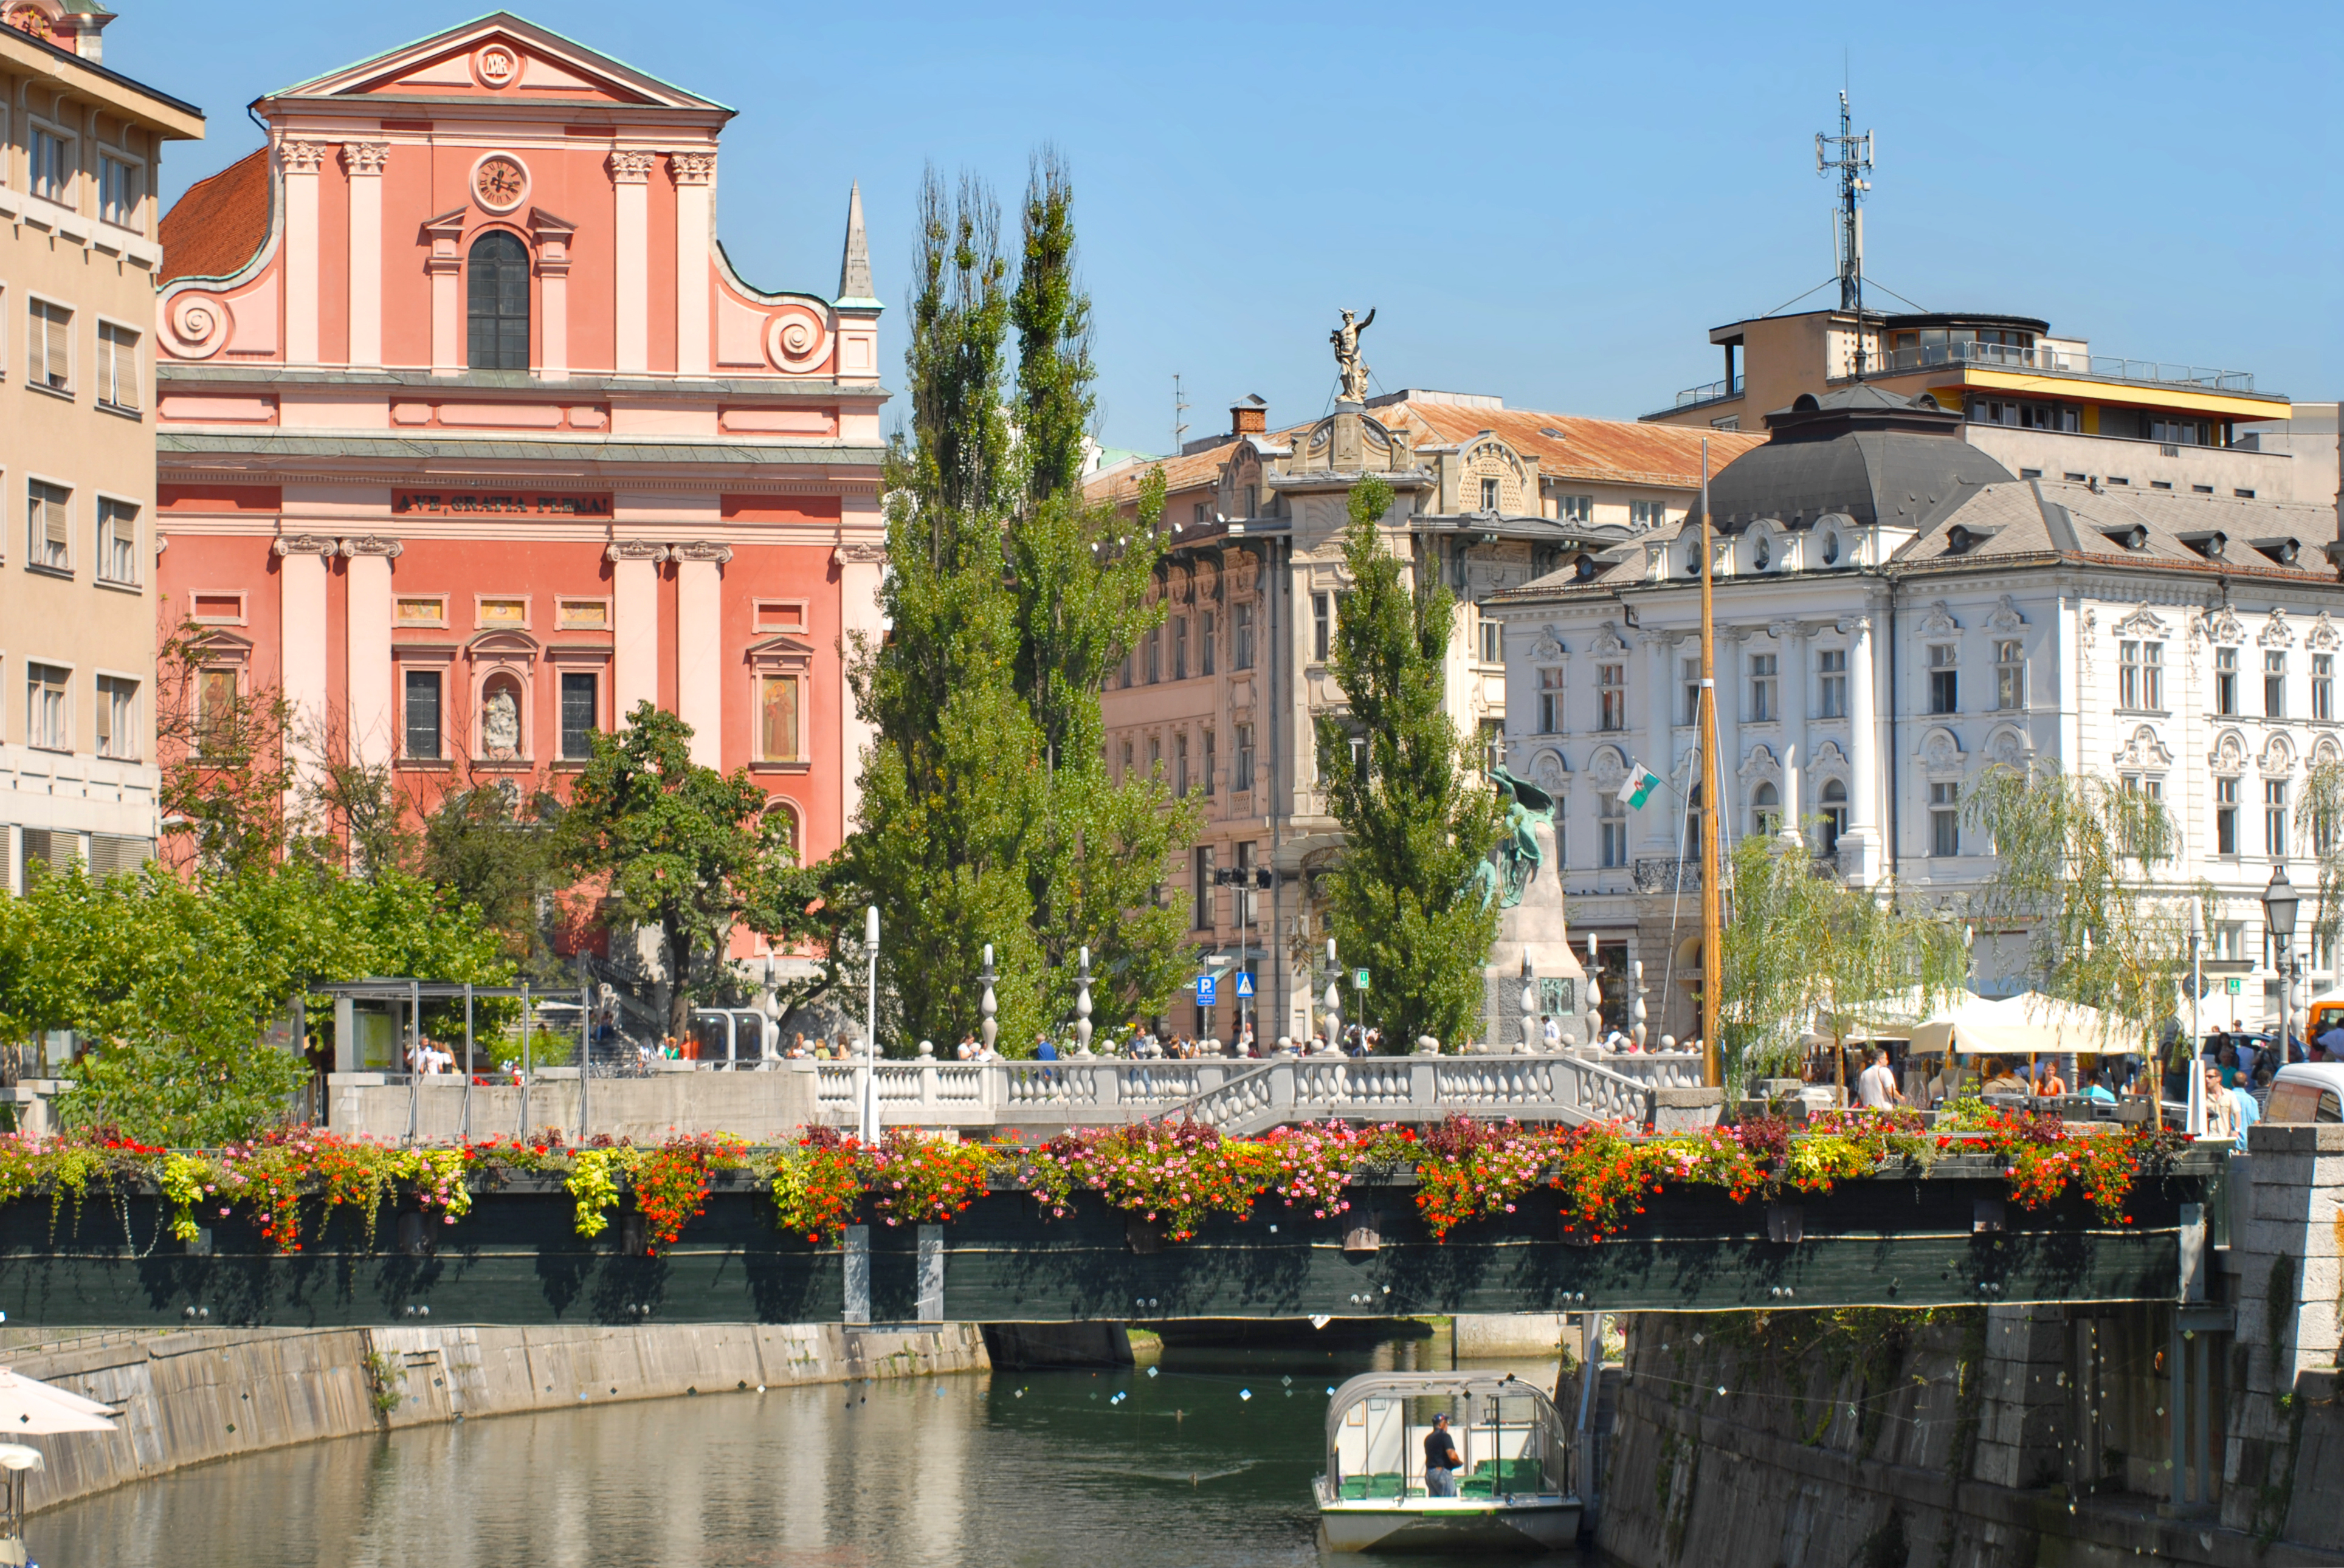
<point x="1518" y="1475"/>
<point x="1478" y="1486"/>
<point x="1387" y="1484"/>
<point x="1355" y="1488"/>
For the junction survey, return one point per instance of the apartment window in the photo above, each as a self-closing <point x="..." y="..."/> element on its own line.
<point x="48" y="346"/>
<point x="2274" y="684"/>
<point x="1212" y="746"/>
<point x="1549" y="701"/>
<point x="1832" y="801"/>
<point x="1489" y="495"/>
<point x="1611" y="830"/>
<point x="1945" y="691"/>
<point x="1945" y="820"/>
<point x="1493" y="641"/>
<point x="2226" y="681"/>
<point x="50" y="158"/>
<point x="779" y="719"/>
<point x="1493" y="744"/>
<point x="118" y="367"/>
<point x="118" y="717"/>
<point x="2230" y="940"/>
<point x="496" y="303"/>
<point x="1651" y="515"/>
<point x="1248" y="497"/>
<point x="1241" y="637"/>
<point x="1180" y="763"/>
<point x="581" y="708"/>
<point x="1322" y="625"/>
<point x="1180" y="647"/>
<point x="2275" y="819"/>
<point x="2225" y="816"/>
<point x="1766" y="810"/>
<point x="1203" y="886"/>
<point x="2323" y="685"/>
<point x="1205" y="647"/>
<point x="117" y="542"/>
<point x="1690" y="669"/>
<point x="422" y="715"/>
<point x="1575" y="509"/>
<point x="1831" y="679"/>
<point x="2009" y="676"/>
<point x="1154" y="647"/>
<point x="1763" y="708"/>
<point x="1241" y="772"/>
<point x="45" y="687"/>
<point x="1610" y="696"/>
<point x="2140" y="676"/>
<point x="117" y="190"/>
<point x="48" y="527"/>
<point x="2175" y="432"/>
<point x="1154" y="757"/>
<point x="1198" y="515"/>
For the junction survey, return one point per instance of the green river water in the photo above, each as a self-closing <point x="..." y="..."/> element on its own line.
<point x="1020" y="1470"/>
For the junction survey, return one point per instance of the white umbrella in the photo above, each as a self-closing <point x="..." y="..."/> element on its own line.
<point x="16" y="1456"/>
<point x="31" y="1407"/>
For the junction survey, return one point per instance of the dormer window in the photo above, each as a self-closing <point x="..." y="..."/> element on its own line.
<point x="1762" y="554"/>
<point x="1489" y="495"/>
<point x="1831" y="549"/>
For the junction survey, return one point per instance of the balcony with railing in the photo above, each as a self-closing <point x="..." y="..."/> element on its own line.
<point x="1715" y="392"/>
<point x="2044" y="360"/>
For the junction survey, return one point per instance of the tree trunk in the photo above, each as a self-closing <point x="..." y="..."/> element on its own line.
<point x="679" y="989"/>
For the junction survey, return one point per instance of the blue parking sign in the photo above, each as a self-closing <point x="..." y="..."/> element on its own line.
<point x="1244" y="986"/>
<point x="1208" y="990"/>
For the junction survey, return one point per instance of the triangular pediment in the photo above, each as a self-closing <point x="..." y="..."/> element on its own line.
<point x="500" y="56"/>
<point x="781" y="651"/>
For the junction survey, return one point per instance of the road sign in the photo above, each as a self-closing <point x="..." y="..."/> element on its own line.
<point x="1244" y="986"/>
<point x="2234" y="985"/>
<point x="1208" y="990"/>
<point x="1358" y="980"/>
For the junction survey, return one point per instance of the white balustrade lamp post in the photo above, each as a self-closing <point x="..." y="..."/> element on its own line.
<point x="1533" y="1041"/>
<point x="1334" y="1001"/>
<point x="988" y="1009"/>
<point x="1637" y="1016"/>
<point x="1083" y="1005"/>
<point x="1594" y="989"/>
<point x="870" y="1128"/>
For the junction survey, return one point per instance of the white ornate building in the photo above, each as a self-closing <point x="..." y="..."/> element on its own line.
<point x="1895" y="609"/>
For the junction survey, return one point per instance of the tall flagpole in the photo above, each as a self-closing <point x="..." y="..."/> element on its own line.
<point x="1713" y="902"/>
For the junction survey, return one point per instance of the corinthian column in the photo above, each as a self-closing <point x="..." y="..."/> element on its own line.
<point x="695" y="215"/>
<point x="365" y="161"/>
<point x="300" y="161"/>
<point x="630" y="228"/>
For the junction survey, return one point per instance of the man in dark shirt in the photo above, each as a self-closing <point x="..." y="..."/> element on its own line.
<point x="1440" y="1460"/>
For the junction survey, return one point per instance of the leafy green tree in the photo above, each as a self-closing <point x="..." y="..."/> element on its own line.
<point x="222" y="756"/>
<point x="1799" y="947"/>
<point x="988" y="816"/>
<point x="2320" y="828"/>
<point x="1406" y="789"/>
<point x="2081" y="861"/>
<point x="496" y="853"/>
<point x="674" y="844"/>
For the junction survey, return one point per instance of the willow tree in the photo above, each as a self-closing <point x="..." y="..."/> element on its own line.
<point x="2320" y="825"/>
<point x="2080" y="862"/>
<point x="1804" y="946"/>
<point x="1407" y="789"/>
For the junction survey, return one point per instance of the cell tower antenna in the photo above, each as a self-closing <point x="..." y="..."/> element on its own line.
<point x="1179" y="407"/>
<point x="1849" y="157"/>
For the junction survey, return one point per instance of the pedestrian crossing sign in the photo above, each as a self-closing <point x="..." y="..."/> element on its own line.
<point x="1244" y="986"/>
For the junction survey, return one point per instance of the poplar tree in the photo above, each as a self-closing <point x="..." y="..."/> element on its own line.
<point x="1408" y="792"/>
<point x="987" y="816"/>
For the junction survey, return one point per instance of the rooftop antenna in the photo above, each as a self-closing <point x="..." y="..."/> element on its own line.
<point x="1849" y="157"/>
<point x="1179" y="407"/>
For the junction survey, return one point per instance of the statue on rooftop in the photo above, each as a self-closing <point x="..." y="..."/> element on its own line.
<point x="1348" y="366"/>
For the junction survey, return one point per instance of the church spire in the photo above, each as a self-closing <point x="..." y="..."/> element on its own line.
<point x="854" y="265"/>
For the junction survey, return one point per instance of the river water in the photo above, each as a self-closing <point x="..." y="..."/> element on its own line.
<point x="1205" y="1464"/>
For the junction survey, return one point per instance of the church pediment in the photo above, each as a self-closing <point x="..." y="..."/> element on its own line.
<point x="500" y="56"/>
<point x="503" y="644"/>
<point x="782" y="652"/>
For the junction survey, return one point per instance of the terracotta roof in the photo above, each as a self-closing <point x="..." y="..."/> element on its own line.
<point x="1120" y="485"/>
<point x="1617" y="450"/>
<point x="221" y="223"/>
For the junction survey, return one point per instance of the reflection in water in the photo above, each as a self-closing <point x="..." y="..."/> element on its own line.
<point x="1207" y="1463"/>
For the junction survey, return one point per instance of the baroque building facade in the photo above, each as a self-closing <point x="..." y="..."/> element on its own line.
<point x="473" y="439"/>
<point x="1222" y="701"/>
<point x="1895" y="610"/>
<point x="81" y="153"/>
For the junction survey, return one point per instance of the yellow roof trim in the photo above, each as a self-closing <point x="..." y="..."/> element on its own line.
<point x="2087" y="389"/>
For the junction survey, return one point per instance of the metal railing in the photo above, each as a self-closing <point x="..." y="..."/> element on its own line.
<point x="1714" y="391"/>
<point x="1667" y="876"/>
<point x="2055" y="362"/>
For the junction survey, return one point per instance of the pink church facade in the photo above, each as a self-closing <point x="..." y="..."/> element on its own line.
<point x="471" y="439"/>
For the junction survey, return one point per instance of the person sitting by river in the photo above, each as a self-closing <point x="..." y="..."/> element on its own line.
<point x="1440" y="1460"/>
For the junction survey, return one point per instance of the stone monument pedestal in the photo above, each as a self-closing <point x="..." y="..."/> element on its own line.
<point x="1535" y="929"/>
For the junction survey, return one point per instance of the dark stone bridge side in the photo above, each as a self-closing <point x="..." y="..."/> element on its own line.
<point x="1896" y="1242"/>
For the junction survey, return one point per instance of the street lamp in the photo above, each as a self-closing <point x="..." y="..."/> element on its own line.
<point x="2279" y="902"/>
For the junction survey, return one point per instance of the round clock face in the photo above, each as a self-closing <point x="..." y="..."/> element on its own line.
<point x="30" y="19"/>
<point x="499" y="182"/>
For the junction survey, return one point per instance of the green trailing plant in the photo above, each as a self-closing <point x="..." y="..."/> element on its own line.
<point x="1409" y="792"/>
<point x="385" y="1378"/>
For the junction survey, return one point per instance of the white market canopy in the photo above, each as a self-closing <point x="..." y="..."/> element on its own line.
<point x="2028" y="1024"/>
<point x="29" y="1407"/>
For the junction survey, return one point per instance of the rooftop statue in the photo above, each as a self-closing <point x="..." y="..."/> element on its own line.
<point x="1348" y="366"/>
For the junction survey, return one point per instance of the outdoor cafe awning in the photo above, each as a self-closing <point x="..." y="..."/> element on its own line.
<point x="2028" y="1024"/>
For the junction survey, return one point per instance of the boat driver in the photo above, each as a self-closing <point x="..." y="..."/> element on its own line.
<point x="1440" y="1460"/>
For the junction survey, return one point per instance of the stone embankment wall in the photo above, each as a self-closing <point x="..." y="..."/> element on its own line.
<point x="2007" y="1437"/>
<point x="187" y="1398"/>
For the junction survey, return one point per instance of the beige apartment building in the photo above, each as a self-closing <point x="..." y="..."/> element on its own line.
<point x="1223" y="701"/>
<point x="80" y="153"/>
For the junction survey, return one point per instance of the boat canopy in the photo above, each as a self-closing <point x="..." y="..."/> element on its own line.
<point x="1508" y="1432"/>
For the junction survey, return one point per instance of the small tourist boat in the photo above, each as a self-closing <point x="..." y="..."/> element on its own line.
<point x="1513" y="1488"/>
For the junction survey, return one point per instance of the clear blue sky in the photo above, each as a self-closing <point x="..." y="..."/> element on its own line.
<point x="1551" y="203"/>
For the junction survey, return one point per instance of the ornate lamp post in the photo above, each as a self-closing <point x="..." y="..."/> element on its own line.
<point x="2280" y="903"/>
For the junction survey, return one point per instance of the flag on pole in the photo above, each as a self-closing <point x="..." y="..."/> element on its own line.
<point x="1641" y="782"/>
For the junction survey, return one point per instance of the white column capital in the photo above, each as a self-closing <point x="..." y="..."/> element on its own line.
<point x="630" y="168"/>
<point x="300" y="157"/>
<point x="367" y="158"/>
<point x="691" y="169"/>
